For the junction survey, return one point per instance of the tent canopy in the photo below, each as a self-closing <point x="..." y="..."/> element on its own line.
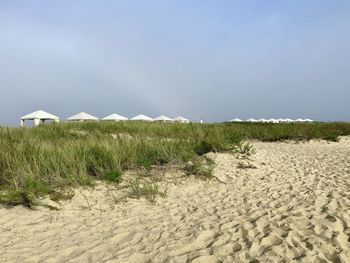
<point x="235" y="120"/>
<point x="115" y="117"/>
<point x="39" y="117"/>
<point x="40" y="114"/>
<point x="141" y="117"/>
<point x="181" y="119"/>
<point x="303" y="120"/>
<point x="163" y="118"/>
<point x="82" y="116"/>
<point x="251" y="120"/>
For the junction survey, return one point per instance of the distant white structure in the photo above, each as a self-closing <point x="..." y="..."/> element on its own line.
<point x="181" y="119"/>
<point x="39" y="117"/>
<point x="272" y="121"/>
<point x="141" y="117"/>
<point x="163" y="118"/>
<point x="251" y="120"/>
<point x="236" y="120"/>
<point x="304" y="120"/>
<point x="288" y="120"/>
<point x="114" y="117"/>
<point x="262" y="120"/>
<point x="82" y="116"/>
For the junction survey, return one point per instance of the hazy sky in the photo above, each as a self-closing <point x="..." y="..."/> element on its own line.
<point x="214" y="60"/>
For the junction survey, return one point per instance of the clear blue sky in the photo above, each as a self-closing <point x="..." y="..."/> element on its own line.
<point x="214" y="60"/>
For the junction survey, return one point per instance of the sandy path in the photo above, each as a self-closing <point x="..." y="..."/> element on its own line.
<point x="294" y="206"/>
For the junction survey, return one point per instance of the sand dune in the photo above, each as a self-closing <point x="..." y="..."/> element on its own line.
<point x="290" y="203"/>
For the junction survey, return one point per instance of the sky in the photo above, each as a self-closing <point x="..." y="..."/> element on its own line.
<point x="210" y="60"/>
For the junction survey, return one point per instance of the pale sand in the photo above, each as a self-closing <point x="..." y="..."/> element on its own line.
<point x="294" y="206"/>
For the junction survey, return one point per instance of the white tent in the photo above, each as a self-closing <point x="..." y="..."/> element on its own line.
<point x="285" y="120"/>
<point x="162" y="118"/>
<point x="115" y="117"/>
<point x="39" y="117"/>
<point x="251" y="120"/>
<point x="262" y="120"/>
<point x="236" y="120"/>
<point x="181" y="119"/>
<point x="82" y="116"/>
<point x="288" y="120"/>
<point x="141" y="117"/>
<point x="273" y="120"/>
<point x="303" y="120"/>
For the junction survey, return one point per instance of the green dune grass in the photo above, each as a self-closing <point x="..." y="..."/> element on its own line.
<point x="48" y="159"/>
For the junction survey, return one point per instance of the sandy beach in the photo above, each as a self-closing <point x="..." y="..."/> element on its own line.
<point x="289" y="203"/>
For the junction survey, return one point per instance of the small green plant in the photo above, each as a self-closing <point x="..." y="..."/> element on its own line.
<point x="331" y="137"/>
<point x="13" y="198"/>
<point x="61" y="194"/>
<point x="203" y="147"/>
<point x="144" y="162"/>
<point x="244" y="148"/>
<point x="234" y="138"/>
<point x="113" y="176"/>
<point x="33" y="185"/>
<point x="201" y="167"/>
<point x="148" y="190"/>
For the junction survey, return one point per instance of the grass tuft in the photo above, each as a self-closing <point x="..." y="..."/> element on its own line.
<point x="113" y="176"/>
<point x="203" y="147"/>
<point x="244" y="148"/>
<point x="203" y="167"/>
<point x="148" y="190"/>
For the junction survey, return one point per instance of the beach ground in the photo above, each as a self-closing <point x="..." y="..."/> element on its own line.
<point x="290" y="202"/>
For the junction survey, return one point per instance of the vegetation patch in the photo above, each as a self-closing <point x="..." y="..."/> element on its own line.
<point x="113" y="176"/>
<point x="203" y="147"/>
<point x="244" y="148"/>
<point x="145" y="188"/>
<point x="51" y="159"/>
<point x="202" y="167"/>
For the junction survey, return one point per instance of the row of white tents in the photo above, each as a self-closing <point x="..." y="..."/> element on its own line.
<point x="272" y="120"/>
<point x="41" y="116"/>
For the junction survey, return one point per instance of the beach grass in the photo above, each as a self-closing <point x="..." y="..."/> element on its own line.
<point x="48" y="159"/>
